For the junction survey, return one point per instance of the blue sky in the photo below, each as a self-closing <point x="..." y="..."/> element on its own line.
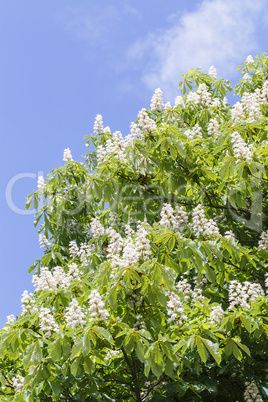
<point x="63" y="62"/>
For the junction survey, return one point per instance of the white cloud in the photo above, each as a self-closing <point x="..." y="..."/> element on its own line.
<point x="93" y="26"/>
<point x="219" y="32"/>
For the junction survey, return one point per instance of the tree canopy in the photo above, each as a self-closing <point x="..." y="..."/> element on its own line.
<point x="153" y="283"/>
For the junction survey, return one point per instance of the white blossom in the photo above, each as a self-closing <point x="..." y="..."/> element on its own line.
<point x="84" y="252"/>
<point x="157" y="101"/>
<point x="18" y="383"/>
<point x="246" y="77"/>
<point x="179" y="101"/>
<point x="212" y="72"/>
<point x="73" y="249"/>
<point x="196" y="131"/>
<point x="58" y="278"/>
<point x="145" y="122"/>
<point x="116" y="243"/>
<point x="237" y="112"/>
<point x="178" y="218"/>
<point x="252" y="393"/>
<point x="142" y="242"/>
<point x="28" y="304"/>
<point x="114" y="148"/>
<point x="96" y="228"/>
<point x="241" y="150"/>
<point x="67" y="156"/>
<point x="229" y="234"/>
<point x="111" y="354"/>
<point x="41" y="183"/>
<point x="213" y="127"/>
<point x="96" y="307"/>
<point x="44" y="281"/>
<point x="201" y="225"/>
<point x="266" y="281"/>
<point x="135" y="133"/>
<point x="175" y="309"/>
<point x="249" y="59"/>
<point x="204" y="95"/>
<point x="43" y="241"/>
<point x="167" y="105"/>
<point x="216" y="102"/>
<point x="47" y="322"/>
<point x="193" y="97"/>
<point x="264" y="92"/>
<point x="244" y="294"/>
<point x="184" y="287"/>
<point x="11" y="319"/>
<point x="216" y="314"/>
<point x="98" y="125"/>
<point x="101" y="154"/>
<point x="263" y="242"/>
<point x="74" y="315"/>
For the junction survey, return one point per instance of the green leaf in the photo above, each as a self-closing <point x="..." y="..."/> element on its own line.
<point x="33" y="355"/>
<point x="55" y="350"/>
<point x="77" y="348"/>
<point x="88" y="365"/>
<point x="213" y="349"/>
<point x="75" y="366"/>
<point x="103" y="333"/>
<point x="202" y="351"/>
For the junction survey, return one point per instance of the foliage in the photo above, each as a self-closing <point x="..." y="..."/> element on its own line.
<point x="181" y="308"/>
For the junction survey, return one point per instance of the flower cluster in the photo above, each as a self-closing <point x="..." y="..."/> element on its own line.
<point x="47" y="322"/>
<point x="67" y="156"/>
<point x="244" y="294"/>
<point x="84" y="252"/>
<point x="73" y="249"/>
<point x="142" y="243"/>
<point x="111" y="354"/>
<point x="11" y="319"/>
<point x="178" y="218"/>
<point x="251" y="106"/>
<point x="204" y="95"/>
<point x="96" y="307"/>
<point x="98" y="124"/>
<point x="213" y="127"/>
<point x="179" y="101"/>
<point x="145" y="122"/>
<point x="28" y="304"/>
<point x="18" y="383"/>
<point x="263" y="242"/>
<point x="157" y="101"/>
<point x="126" y="252"/>
<point x="229" y="234"/>
<point x="266" y="280"/>
<point x="75" y="315"/>
<point x="41" y="183"/>
<point x="175" y="309"/>
<point x="43" y="241"/>
<point x="240" y="148"/>
<point x="196" y="131"/>
<point x="264" y="93"/>
<point x="216" y="314"/>
<point x="249" y="59"/>
<point x="114" y="147"/>
<point x="96" y="228"/>
<point x="201" y="225"/>
<point x="212" y="72"/>
<point x="48" y="280"/>
<point x="252" y="393"/>
<point x="135" y="133"/>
